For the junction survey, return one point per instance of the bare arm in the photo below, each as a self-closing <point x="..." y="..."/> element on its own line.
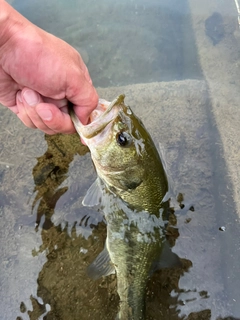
<point x="39" y="74"/>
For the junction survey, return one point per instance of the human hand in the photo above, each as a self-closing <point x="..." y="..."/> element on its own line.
<point x="39" y="74"/>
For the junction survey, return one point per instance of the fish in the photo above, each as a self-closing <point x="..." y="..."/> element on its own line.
<point x="130" y="188"/>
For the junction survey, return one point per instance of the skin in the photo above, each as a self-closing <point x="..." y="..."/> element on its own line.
<point x="134" y="173"/>
<point x="39" y="74"/>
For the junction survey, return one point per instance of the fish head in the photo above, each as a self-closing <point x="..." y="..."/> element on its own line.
<point x="117" y="140"/>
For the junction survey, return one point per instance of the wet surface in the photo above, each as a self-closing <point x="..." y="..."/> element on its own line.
<point x="53" y="239"/>
<point x="214" y="27"/>
<point x="123" y="42"/>
<point x="48" y="239"/>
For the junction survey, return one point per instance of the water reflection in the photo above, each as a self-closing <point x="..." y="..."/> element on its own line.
<point x="49" y="173"/>
<point x="123" y="42"/>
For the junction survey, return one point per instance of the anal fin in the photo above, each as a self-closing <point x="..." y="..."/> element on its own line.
<point x="101" y="266"/>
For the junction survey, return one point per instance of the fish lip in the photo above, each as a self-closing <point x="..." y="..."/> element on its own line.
<point x="97" y="125"/>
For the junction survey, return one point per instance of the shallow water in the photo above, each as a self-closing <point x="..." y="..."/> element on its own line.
<point x="150" y="51"/>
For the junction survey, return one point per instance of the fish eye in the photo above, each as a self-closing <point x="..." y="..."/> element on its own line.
<point x="123" y="139"/>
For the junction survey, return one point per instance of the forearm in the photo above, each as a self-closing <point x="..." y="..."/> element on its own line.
<point x="10" y="22"/>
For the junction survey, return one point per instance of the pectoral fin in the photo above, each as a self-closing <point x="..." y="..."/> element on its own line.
<point x="93" y="196"/>
<point x="101" y="266"/>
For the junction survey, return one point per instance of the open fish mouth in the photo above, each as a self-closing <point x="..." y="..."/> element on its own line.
<point x="100" y="117"/>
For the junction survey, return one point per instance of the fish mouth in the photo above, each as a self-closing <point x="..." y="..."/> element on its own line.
<point x="105" y="113"/>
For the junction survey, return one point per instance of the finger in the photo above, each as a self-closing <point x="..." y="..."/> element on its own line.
<point x="14" y="109"/>
<point x="61" y="104"/>
<point x="30" y="100"/>
<point x="87" y="105"/>
<point x="22" y="115"/>
<point x="81" y="93"/>
<point x="9" y="89"/>
<point x="59" y="122"/>
<point x="25" y="119"/>
<point x="47" y="116"/>
<point x="31" y="125"/>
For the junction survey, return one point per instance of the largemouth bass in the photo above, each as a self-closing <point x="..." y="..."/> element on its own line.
<point x="130" y="187"/>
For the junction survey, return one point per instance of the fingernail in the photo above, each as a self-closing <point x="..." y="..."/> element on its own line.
<point x="31" y="97"/>
<point x="45" y="114"/>
<point x="19" y="96"/>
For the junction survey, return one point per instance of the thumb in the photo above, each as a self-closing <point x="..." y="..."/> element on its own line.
<point x="31" y="98"/>
<point x="83" y="109"/>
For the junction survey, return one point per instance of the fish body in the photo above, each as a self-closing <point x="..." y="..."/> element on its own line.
<point x="130" y="187"/>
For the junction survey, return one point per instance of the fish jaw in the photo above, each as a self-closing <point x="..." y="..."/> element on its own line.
<point x="99" y="119"/>
<point x="132" y="171"/>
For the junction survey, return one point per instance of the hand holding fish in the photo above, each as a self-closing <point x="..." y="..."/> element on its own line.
<point x="39" y="74"/>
